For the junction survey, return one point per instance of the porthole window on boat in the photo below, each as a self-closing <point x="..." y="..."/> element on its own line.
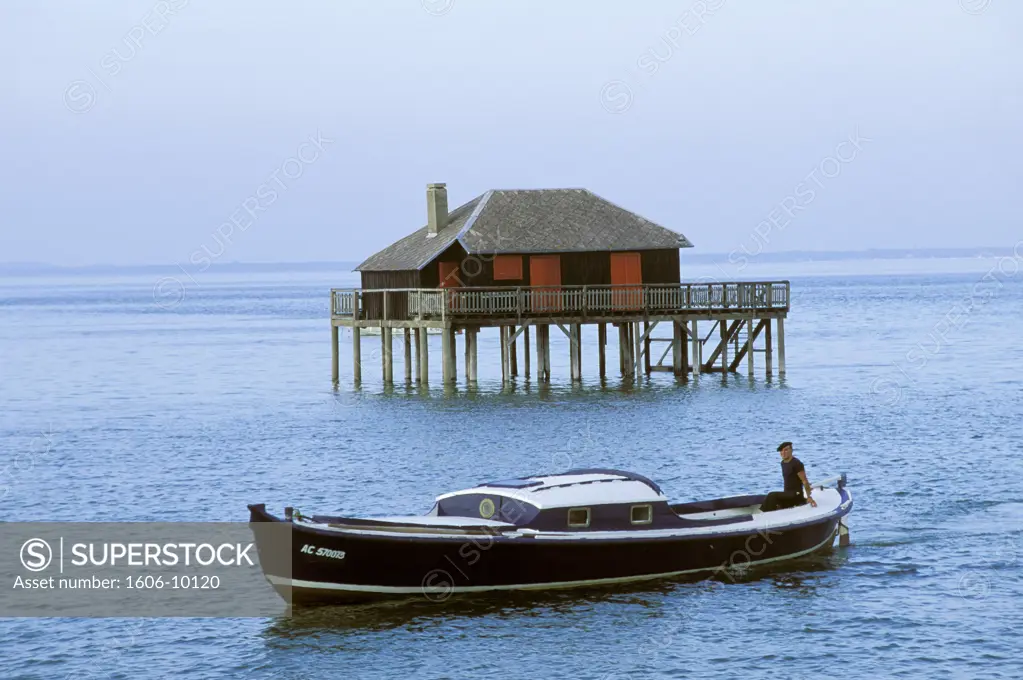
<point x="642" y="514"/>
<point x="579" y="517"/>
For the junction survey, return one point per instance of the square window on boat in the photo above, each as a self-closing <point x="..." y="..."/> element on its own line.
<point x="642" y="514"/>
<point x="579" y="517"/>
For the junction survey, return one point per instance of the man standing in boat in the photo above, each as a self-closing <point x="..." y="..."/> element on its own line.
<point x="794" y="475"/>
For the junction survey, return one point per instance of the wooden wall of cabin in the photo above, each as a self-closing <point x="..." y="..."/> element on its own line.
<point x="661" y="266"/>
<point x="397" y="303"/>
<point x="577" y="269"/>
<point x="399" y="279"/>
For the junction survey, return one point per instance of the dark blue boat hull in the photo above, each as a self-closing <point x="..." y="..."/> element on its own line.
<point x="332" y="566"/>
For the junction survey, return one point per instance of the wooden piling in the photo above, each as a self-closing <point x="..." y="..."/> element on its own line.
<point x="637" y="348"/>
<point x="473" y="370"/>
<point x="505" y="373"/>
<point x="781" y="346"/>
<point x="445" y="355"/>
<point x="419" y="353"/>
<point x="386" y="355"/>
<point x="453" y="349"/>
<point x="621" y="348"/>
<point x="769" y="353"/>
<point x="576" y="352"/>
<point x="424" y="357"/>
<point x="724" y="346"/>
<point x="683" y="327"/>
<point x="525" y="350"/>
<point x="503" y="335"/>
<point x="601" y="349"/>
<point x="630" y="350"/>
<point x="547" y="353"/>
<point x="335" y="369"/>
<point x="695" y="337"/>
<point x="571" y="352"/>
<point x="407" y="337"/>
<point x="356" y="354"/>
<point x="750" y="338"/>
<point x="539" y="353"/>
<point x="646" y="347"/>
<point x="513" y="358"/>
<point x="678" y="349"/>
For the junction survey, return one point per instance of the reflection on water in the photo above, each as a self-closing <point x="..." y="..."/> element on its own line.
<point x="662" y="594"/>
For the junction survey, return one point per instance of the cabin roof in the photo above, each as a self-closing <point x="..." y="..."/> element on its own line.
<point x="529" y="221"/>
<point x="582" y="488"/>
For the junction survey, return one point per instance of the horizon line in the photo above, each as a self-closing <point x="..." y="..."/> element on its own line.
<point x="782" y="255"/>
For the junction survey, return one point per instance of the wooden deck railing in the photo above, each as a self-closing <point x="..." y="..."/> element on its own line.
<point x="566" y="301"/>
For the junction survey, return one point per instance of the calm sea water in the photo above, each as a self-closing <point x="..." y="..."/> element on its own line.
<point x="116" y="408"/>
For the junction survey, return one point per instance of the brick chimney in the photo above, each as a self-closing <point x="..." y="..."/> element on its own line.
<point x="436" y="208"/>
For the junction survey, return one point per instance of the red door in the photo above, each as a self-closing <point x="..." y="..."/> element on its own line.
<point x="545" y="278"/>
<point x="627" y="270"/>
<point x="448" y="274"/>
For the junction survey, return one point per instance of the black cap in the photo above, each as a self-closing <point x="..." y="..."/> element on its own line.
<point x="783" y="445"/>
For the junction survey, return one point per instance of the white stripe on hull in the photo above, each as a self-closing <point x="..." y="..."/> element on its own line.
<point x="409" y="590"/>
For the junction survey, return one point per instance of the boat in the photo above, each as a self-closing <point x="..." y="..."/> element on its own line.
<point x="584" y="527"/>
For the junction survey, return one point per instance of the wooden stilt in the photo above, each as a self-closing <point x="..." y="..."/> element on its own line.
<point x="724" y="346"/>
<point x="453" y="348"/>
<point x="751" y="333"/>
<point x="571" y="352"/>
<point x="387" y="355"/>
<point x="578" y="345"/>
<point x="646" y="347"/>
<point x="419" y="354"/>
<point x="445" y="356"/>
<point x="630" y="351"/>
<point x="678" y="348"/>
<point x="601" y="349"/>
<point x="335" y="368"/>
<point x="513" y="358"/>
<point x="473" y="363"/>
<point x="503" y="332"/>
<point x="407" y="337"/>
<point x="525" y="351"/>
<point x="781" y="346"/>
<point x="356" y="354"/>
<point x="424" y="357"/>
<point x="622" y="344"/>
<point x="695" y="337"/>
<point x="769" y="354"/>
<point x="539" y="353"/>
<point x="683" y="327"/>
<point x="637" y="335"/>
<point x="547" y="353"/>
<point x="579" y="351"/>
<point x="468" y="354"/>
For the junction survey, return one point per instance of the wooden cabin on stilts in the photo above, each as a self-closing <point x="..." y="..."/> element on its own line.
<point x="524" y="262"/>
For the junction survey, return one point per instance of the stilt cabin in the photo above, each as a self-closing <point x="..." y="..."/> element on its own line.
<point x="550" y="239"/>
<point x="521" y="259"/>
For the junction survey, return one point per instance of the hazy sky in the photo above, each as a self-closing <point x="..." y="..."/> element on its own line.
<point x="134" y="131"/>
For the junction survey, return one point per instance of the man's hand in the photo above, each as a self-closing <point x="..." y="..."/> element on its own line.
<point x="812" y="502"/>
